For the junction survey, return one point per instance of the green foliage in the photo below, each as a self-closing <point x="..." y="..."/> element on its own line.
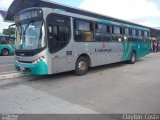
<point x="9" y="31"/>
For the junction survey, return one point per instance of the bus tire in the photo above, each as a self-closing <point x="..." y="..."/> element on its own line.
<point x="5" y="52"/>
<point x="133" y="58"/>
<point x="81" y="66"/>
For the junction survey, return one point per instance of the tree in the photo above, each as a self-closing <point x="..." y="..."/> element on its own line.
<point x="9" y="31"/>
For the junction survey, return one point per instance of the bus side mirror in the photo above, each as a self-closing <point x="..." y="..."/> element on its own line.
<point x="12" y="25"/>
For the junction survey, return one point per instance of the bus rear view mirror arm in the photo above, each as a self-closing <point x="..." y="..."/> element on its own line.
<point x="12" y="25"/>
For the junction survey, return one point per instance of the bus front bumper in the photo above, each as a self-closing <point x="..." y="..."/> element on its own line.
<point x="29" y="68"/>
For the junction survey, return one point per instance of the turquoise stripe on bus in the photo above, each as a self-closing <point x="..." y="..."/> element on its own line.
<point x="37" y="69"/>
<point x="127" y="46"/>
<point x="105" y="21"/>
<point x="141" y="48"/>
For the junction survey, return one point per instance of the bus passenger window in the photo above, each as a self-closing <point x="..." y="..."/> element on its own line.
<point x="101" y="28"/>
<point x="121" y="30"/>
<point x="83" y="31"/>
<point x="88" y="36"/>
<point x="109" y="29"/>
<point x="145" y="33"/>
<point x="3" y="40"/>
<point x="133" y="32"/>
<point x="126" y="31"/>
<point x="102" y="37"/>
<point x="102" y="32"/>
<point x="82" y="25"/>
<point x="98" y="37"/>
<point x="146" y="36"/>
<point x="139" y="33"/>
<point x="106" y="37"/>
<point x="116" y="30"/>
<point x="78" y="35"/>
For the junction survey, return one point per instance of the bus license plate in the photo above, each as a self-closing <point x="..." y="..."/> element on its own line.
<point x="22" y="68"/>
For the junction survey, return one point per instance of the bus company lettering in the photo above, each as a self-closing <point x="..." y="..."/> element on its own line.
<point x="103" y="50"/>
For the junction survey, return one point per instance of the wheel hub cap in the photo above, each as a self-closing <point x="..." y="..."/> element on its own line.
<point x="82" y="65"/>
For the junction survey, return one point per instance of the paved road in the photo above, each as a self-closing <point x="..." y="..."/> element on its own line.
<point x="6" y="60"/>
<point x="6" y="64"/>
<point x="116" y="88"/>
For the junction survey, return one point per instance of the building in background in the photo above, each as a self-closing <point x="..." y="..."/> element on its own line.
<point x="155" y="39"/>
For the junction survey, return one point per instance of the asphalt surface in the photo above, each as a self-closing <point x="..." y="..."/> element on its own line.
<point x="116" y="88"/>
<point x="6" y="60"/>
<point x="6" y="64"/>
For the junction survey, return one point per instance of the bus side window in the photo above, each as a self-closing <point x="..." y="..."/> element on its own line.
<point x="117" y="34"/>
<point x="78" y="35"/>
<point x="109" y="29"/>
<point x="88" y="36"/>
<point x="126" y="34"/>
<point x="133" y="35"/>
<point x="83" y="31"/>
<point x="143" y="36"/>
<point x="146" y="36"/>
<point x="139" y="34"/>
<point x="3" y="40"/>
<point x="102" y="32"/>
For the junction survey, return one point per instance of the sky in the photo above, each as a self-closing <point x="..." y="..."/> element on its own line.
<point x="144" y="12"/>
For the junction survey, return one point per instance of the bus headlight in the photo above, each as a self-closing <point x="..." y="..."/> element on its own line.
<point x="38" y="60"/>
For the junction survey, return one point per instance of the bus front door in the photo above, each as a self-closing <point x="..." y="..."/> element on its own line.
<point x="58" y="39"/>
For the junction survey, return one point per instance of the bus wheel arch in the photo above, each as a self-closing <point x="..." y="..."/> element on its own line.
<point x="5" y="52"/>
<point x="133" y="57"/>
<point x="83" y="62"/>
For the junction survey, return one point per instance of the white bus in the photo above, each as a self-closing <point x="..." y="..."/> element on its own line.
<point x="50" y="41"/>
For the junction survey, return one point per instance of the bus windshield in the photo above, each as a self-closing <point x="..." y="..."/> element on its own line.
<point x="30" y="36"/>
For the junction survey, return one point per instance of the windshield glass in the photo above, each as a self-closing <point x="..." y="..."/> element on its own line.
<point x="30" y="36"/>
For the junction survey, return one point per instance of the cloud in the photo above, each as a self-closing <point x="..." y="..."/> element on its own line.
<point x="3" y="25"/>
<point x="156" y="2"/>
<point x="4" y="4"/>
<point x="129" y="10"/>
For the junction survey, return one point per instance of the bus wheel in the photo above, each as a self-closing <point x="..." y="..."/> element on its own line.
<point x="5" y="52"/>
<point x="81" y="66"/>
<point x="133" y="58"/>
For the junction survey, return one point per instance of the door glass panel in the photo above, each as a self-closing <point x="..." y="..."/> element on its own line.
<point x="60" y="34"/>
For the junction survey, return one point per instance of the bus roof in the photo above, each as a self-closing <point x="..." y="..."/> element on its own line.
<point x="19" y="5"/>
